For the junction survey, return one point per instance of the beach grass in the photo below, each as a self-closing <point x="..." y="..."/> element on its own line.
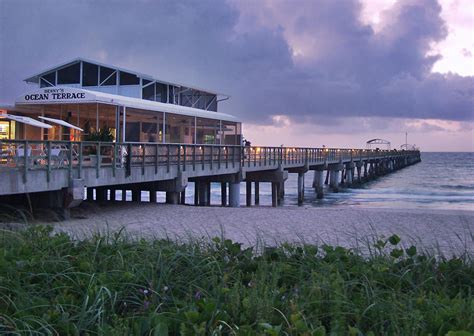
<point x="112" y="284"/>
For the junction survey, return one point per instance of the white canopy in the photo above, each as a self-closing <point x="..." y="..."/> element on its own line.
<point x="61" y="122"/>
<point x="67" y="95"/>
<point x="25" y="120"/>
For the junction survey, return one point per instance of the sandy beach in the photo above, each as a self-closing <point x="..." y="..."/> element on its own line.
<point x="449" y="231"/>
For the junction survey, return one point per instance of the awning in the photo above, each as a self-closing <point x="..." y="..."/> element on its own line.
<point x="61" y="122"/>
<point x="67" y="95"/>
<point x="25" y="120"/>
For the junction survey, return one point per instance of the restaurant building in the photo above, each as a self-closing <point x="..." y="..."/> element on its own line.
<point x="75" y="100"/>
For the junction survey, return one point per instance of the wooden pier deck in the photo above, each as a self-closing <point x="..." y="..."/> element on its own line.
<point x="62" y="170"/>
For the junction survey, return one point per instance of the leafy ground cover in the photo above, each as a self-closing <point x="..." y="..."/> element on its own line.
<point x="114" y="285"/>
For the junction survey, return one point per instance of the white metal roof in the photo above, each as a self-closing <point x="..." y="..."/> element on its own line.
<point x="81" y="96"/>
<point x="35" y="78"/>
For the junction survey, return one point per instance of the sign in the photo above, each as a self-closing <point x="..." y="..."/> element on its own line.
<point x="56" y="95"/>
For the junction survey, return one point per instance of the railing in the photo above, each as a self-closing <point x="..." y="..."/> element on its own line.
<point x="50" y="155"/>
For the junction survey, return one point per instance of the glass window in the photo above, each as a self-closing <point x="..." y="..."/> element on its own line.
<point x="107" y="76"/>
<point x="90" y="74"/>
<point x="144" y="126"/>
<point x="44" y="83"/>
<point x="128" y="79"/>
<point x="51" y="78"/>
<point x="146" y="82"/>
<point x="231" y="133"/>
<point x="148" y="92"/>
<point x="70" y="74"/>
<point x="161" y="92"/>
<point x="208" y="131"/>
<point x="211" y="103"/>
<point x="179" y="129"/>
<point x="171" y="95"/>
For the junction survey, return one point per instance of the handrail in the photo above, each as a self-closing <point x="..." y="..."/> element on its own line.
<point x="80" y="155"/>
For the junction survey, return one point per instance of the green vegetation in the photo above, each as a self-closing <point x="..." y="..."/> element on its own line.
<point x="114" y="285"/>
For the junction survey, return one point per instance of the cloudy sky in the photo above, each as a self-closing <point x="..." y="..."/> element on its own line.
<point x="300" y="73"/>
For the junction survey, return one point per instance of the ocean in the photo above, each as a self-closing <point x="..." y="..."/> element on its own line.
<point x="439" y="181"/>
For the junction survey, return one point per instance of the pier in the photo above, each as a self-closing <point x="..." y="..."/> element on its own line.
<point x="42" y="177"/>
<point x="96" y="131"/>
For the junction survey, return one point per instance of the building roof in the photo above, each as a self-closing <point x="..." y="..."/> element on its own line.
<point x="44" y="96"/>
<point x="35" y="78"/>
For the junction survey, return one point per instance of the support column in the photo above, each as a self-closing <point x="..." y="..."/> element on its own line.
<point x="196" y="193"/>
<point x="318" y="183"/>
<point x="300" y="188"/>
<point x="350" y="173"/>
<point x="208" y="193"/>
<point x="234" y="194"/>
<point x="202" y="193"/>
<point x="248" y="193"/>
<point x="90" y="194"/>
<point x="359" y="171"/>
<point x="100" y="194"/>
<point x="274" y="194"/>
<point x="223" y="194"/>
<point x="334" y="180"/>
<point x="112" y="195"/>
<point x="280" y="192"/>
<point x="172" y="197"/>
<point x="152" y="196"/>
<point x="136" y="195"/>
<point x="366" y="173"/>
<point x="182" y="197"/>
<point x="257" y="193"/>
<point x="124" y="195"/>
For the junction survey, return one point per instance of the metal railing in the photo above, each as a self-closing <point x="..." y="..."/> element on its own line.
<point x="27" y="155"/>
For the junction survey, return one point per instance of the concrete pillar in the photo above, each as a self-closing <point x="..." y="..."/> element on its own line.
<point x="257" y="193"/>
<point x="90" y="194"/>
<point x="112" y="194"/>
<point x="172" y="197"/>
<point x="223" y="194"/>
<point x="182" y="197"/>
<point x="234" y="194"/>
<point x="152" y="196"/>
<point x="202" y="193"/>
<point x="359" y="174"/>
<point x="349" y="175"/>
<point x="248" y="193"/>
<point x="328" y="173"/>
<point x="334" y="180"/>
<point x="196" y="193"/>
<point x="280" y="192"/>
<point x="274" y="194"/>
<point x="208" y="193"/>
<point x="318" y="183"/>
<point x="124" y="195"/>
<point x="366" y="173"/>
<point x="100" y="194"/>
<point x="300" y="188"/>
<point x="136" y="195"/>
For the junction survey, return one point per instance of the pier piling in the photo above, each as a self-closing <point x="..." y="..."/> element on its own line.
<point x="257" y="193"/>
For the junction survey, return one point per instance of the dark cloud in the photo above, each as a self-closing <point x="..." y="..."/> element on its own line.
<point x="353" y="71"/>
